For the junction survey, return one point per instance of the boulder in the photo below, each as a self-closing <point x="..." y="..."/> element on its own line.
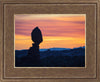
<point x="36" y="36"/>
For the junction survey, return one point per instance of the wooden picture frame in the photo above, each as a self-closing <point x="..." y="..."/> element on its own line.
<point x="89" y="73"/>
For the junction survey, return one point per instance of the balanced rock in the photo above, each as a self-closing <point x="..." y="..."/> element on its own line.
<point x="36" y="36"/>
<point x="33" y="55"/>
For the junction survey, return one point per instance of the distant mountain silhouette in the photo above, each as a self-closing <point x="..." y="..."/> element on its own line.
<point x="62" y="57"/>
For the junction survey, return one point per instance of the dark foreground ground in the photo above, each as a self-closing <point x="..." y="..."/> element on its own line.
<point x="53" y="58"/>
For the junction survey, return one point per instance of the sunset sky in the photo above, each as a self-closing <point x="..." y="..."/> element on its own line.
<point x="58" y="30"/>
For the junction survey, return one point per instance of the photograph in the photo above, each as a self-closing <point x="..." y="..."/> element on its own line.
<point x="49" y="40"/>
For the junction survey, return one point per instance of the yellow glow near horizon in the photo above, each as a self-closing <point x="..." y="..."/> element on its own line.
<point x="48" y="42"/>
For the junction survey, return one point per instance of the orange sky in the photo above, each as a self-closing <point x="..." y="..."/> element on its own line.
<point x="58" y="30"/>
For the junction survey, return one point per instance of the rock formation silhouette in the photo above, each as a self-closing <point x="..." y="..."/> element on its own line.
<point x="36" y="36"/>
<point x="33" y="56"/>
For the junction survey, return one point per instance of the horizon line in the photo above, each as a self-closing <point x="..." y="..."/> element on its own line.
<point x="56" y="47"/>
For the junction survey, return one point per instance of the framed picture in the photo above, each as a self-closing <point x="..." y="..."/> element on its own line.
<point x="49" y="40"/>
<point x="57" y="41"/>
